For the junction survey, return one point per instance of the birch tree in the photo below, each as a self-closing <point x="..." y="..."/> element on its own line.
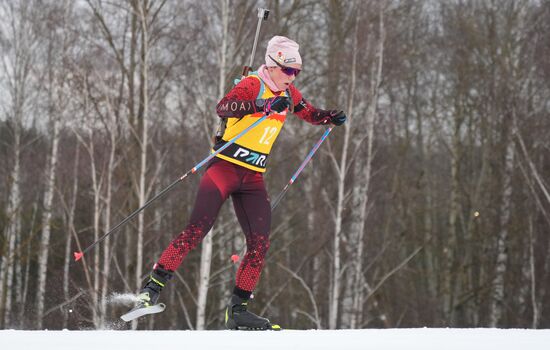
<point x="510" y="34"/>
<point x="207" y="244"/>
<point x="17" y="63"/>
<point x="339" y="160"/>
<point x="71" y="230"/>
<point x="363" y="170"/>
<point x="142" y="131"/>
<point x="57" y="102"/>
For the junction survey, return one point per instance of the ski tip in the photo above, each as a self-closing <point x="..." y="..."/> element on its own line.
<point x="78" y="255"/>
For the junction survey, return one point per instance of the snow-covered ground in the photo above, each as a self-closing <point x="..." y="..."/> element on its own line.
<point x="368" y="339"/>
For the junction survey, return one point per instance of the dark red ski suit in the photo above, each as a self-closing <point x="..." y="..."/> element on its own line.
<point x="246" y="187"/>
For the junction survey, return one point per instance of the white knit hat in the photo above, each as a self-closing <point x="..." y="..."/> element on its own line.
<point x="282" y="49"/>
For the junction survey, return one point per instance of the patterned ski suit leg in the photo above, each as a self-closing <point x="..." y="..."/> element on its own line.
<point x="216" y="185"/>
<point x="254" y="213"/>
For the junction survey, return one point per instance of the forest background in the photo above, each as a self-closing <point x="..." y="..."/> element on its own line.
<point x="429" y="207"/>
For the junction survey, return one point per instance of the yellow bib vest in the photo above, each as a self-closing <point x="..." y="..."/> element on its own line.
<point x="252" y="149"/>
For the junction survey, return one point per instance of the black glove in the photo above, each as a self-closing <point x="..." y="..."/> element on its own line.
<point x="276" y="104"/>
<point x="337" y="117"/>
<point x="323" y="117"/>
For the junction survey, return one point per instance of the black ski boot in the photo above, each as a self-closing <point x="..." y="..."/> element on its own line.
<point x="239" y="318"/>
<point x="149" y="295"/>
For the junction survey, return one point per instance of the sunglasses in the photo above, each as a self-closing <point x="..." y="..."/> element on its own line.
<point x="287" y="70"/>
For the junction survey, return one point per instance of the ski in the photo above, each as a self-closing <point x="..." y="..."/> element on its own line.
<point x="269" y="327"/>
<point x="141" y="310"/>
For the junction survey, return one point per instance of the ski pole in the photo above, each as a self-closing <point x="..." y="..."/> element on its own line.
<point x="78" y="255"/>
<point x="302" y="166"/>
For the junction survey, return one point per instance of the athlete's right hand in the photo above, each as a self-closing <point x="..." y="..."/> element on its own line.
<point x="276" y="104"/>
